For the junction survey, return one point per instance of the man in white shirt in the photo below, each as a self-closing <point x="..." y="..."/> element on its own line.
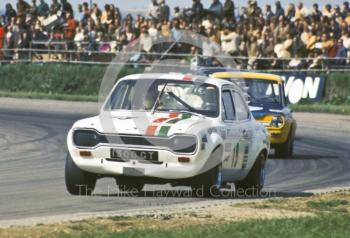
<point x="146" y="42"/>
<point x="153" y="10"/>
<point x="229" y="41"/>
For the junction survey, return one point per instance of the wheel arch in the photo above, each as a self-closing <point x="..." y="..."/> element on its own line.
<point x="217" y="147"/>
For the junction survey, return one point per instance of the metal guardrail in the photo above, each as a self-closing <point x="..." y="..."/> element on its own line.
<point x="83" y="56"/>
<point x="161" y="54"/>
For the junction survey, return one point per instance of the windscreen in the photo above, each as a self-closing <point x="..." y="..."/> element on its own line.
<point x="165" y="95"/>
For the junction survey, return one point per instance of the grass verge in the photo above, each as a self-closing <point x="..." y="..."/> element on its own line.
<point x="61" y="97"/>
<point x="317" y="216"/>
<point x="334" y="225"/>
<point x="322" y="108"/>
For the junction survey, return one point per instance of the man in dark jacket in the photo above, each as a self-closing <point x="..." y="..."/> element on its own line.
<point x="24" y="43"/>
<point x="42" y="9"/>
<point x="216" y="8"/>
<point x="279" y="10"/>
<point x="164" y="11"/>
<point x="55" y="7"/>
<point x="197" y="7"/>
<point x="22" y="9"/>
<point x="342" y="53"/>
<point x="66" y="8"/>
<point x="229" y="9"/>
<point x="10" y="13"/>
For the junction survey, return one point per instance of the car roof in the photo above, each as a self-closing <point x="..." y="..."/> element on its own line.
<point x="179" y="76"/>
<point x="211" y="70"/>
<point x="248" y="75"/>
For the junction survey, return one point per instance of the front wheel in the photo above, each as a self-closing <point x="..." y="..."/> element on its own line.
<point x="255" y="180"/>
<point x="78" y="182"/>
<point x="285" y="150"/>
<point x="207" y="184"/>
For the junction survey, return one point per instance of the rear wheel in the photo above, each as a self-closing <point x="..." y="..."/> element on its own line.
<point x="285" y="150"/>
<point x="130" y="185"/>
<point x="78" y="182"/>
<point x="254" y="182"/>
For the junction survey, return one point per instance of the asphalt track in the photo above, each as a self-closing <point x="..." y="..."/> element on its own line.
<point x="33" y="150"/>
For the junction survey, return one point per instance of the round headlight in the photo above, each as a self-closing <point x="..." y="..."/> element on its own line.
<point x="277" y="121"/>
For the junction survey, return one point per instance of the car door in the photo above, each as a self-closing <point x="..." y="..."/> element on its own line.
<point x="244" y="122"/>
<point x="230" y="131"/>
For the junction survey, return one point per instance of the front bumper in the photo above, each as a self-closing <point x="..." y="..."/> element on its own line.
<point x="167" y="166"/>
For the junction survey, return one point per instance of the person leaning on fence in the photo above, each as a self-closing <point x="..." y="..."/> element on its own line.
<point x="24" y="43"/>
<point x="69" y="33"/>
<point x="342" y="53"/>
<point x="146" y="42"/>
<point x="2" y="36"/>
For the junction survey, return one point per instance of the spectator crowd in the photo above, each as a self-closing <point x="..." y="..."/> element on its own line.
<point x="273" y="37"/>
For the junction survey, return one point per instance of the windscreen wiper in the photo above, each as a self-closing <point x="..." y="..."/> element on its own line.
<point x="156" y="103"/>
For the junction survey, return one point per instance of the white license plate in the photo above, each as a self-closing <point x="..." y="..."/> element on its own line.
<point x="134" y="155"/>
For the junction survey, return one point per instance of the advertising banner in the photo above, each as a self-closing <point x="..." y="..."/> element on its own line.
<point x="301" y="86"/>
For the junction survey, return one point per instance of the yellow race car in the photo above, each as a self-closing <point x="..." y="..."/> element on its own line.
<point x="267" y="102"/>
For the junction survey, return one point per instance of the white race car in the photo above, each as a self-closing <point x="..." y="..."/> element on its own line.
<point x="169" y="128"/>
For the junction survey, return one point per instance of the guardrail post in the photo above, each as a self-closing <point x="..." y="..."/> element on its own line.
<point x="30" y="52"/>
<point x="49" y="50"/>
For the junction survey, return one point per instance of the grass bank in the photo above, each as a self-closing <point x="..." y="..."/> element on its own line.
<point x="322" y="108"/>
<point x="61" y="97"/>
<point x="316" y="216"/>
<point x="62" y="80"/>
<point x="82" y="83"/>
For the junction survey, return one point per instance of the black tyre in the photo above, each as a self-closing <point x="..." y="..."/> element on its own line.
<point x="78" y="182"/>
<point x="286" y="149"/>
<point x="131" y="185"/>
<point x="254" y="182"/>
<point x="207" y="184"/>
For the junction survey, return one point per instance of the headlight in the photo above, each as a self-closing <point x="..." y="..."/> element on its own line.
<point x="183" y="144"/>
<point x="277" y="121"/>
<point x="87" y="138"/>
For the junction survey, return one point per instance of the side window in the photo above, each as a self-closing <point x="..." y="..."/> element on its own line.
<point x="242" y="111"/>
<point x="229" y="112"/>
